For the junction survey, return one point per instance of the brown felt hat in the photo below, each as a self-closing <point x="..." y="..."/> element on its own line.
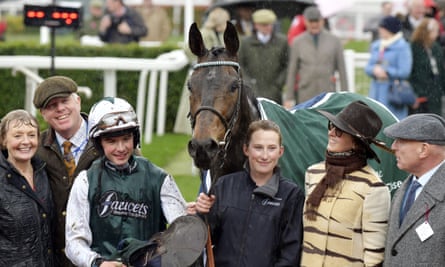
<point x="56" y="86"/>
<point x="359" y="120"/>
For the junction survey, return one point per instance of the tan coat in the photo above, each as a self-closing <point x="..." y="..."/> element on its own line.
<point x="157" y="22"/>
<point x="351" y="224"/>
<point x="315" y="66"/>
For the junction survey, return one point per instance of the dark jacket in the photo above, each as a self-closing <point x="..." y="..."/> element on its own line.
<point x="134" y="20"/>
<point x="61" y="183"/>
<point x="25" y="217"/>
<point x="256" y="226"/>
<point x="424" y="82"/>
<point x="264" y="66"/>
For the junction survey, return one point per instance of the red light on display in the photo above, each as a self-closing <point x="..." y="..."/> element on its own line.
<point x="52" y="16"/>
<point x="35" y="14"/>
<point x="31" y="14"/>
<point x="56" y="15"/>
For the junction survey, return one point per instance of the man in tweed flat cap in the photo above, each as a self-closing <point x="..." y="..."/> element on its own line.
<point x="58" y="102"/>
<point x="416" y="219"/>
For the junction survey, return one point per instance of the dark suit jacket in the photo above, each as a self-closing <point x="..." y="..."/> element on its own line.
<point x="403" y="245"/>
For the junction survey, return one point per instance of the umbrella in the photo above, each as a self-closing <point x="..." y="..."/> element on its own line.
<point x="330" y="7"/>
<point x="282" y="8"/>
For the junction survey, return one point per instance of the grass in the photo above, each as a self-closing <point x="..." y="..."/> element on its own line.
<point x="163" y="151"/>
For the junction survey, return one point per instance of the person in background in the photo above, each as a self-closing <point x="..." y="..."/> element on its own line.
<point x="255" y="214"/>
<point x="416" y="13"/>
<point x="390" y="59"/>
<point x="156" y="21"/>
<point x="347" y="203"/>
<point x="121" y="195"/>
<point x="121" y="24"/>
<point x="243" y="20"/>
<point x="26" y="204"/>
<point x="372" y="25"/>
<point x="212" y="32"/>
<point x="57" y="99"/>
<point x="297" y="27"/>
<point x="431" y="8"/>
<point x="428" y="72"/>
<point x="267" y="50"/>
<point x="91" y="25"/>
<point x="416" y="220"/>
<point x="315" y="56"/>
<point x="213" y="29"/>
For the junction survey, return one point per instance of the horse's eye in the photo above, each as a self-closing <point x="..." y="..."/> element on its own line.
<point x="189" y="86"/>
<point x="234" y="87"/>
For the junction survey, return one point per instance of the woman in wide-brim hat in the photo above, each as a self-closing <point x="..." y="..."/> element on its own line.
<point x="347" y="204"/>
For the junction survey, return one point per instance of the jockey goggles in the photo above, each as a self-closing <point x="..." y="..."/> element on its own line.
<point x="115" y="119"/>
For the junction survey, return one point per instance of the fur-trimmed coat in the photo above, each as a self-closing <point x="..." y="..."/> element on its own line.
<point x="351" y="223"/>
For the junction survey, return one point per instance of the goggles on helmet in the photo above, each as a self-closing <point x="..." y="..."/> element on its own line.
<point x="115" y="119"/>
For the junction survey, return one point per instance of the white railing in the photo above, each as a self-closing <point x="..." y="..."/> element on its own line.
<point x="163" y="64"/>
<point x="158" y="69"/>
<point x="354" y="62"/>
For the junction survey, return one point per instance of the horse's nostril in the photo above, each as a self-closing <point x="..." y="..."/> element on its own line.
<point x="211" y="147"/>
<point x="192" y="148"/>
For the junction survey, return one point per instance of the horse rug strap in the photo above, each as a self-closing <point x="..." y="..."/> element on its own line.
<point x="180" y="245"/>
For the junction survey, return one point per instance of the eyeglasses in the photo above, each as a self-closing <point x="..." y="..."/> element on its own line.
<point x="114" y="119"/>
<point x="337" y="131"/>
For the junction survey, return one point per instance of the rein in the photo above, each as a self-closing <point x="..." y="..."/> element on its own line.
<point x="234" y="117"/>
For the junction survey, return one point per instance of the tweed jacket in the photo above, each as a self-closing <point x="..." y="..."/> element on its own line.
<point x="264" y="66"/>
<point x="315" y="65"/>
<point x="351" y="223"/>
<point x="61" y="183"/>
<point x="403" y="246"/>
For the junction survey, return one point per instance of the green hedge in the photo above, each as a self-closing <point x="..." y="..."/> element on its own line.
<point x="12" y="89"/>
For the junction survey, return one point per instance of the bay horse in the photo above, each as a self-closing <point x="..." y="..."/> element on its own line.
<point x="222" y="107"/>
<point x="219" y="129"/>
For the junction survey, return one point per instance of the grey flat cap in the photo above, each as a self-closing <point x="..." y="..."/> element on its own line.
<point x="312" y="13"/>
<point x="425" y="127"/>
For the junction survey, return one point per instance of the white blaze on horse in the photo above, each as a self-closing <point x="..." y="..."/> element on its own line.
<point x="222" y="107"/>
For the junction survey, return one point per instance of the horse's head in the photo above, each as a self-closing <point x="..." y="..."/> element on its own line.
<point x="217" y="101"/>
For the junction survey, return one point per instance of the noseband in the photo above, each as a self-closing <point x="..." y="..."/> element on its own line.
<point x="234" y="117"/>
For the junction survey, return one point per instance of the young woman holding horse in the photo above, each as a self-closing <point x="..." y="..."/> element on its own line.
<point x="255" y="215"/>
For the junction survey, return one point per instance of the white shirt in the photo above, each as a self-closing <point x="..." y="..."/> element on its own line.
<point x="79" y="141"/>
<point x="425" y="178"/>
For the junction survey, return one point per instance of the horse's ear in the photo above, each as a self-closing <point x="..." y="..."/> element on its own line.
<point x="231" y="39"/>
<point x="196" y="43"/>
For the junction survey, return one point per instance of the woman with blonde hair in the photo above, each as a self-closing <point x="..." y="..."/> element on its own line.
<point x="214" y="27"/>
<point x="428" y="72"/>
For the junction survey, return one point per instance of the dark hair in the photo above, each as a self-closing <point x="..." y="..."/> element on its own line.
<point x="265" y="125"/>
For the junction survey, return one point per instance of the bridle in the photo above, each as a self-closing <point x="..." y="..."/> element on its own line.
<point x="234" y="117"/>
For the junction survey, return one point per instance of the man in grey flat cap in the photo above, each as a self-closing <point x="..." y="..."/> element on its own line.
<point x="315" y="56"/>
<point x="416" y="222"/>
